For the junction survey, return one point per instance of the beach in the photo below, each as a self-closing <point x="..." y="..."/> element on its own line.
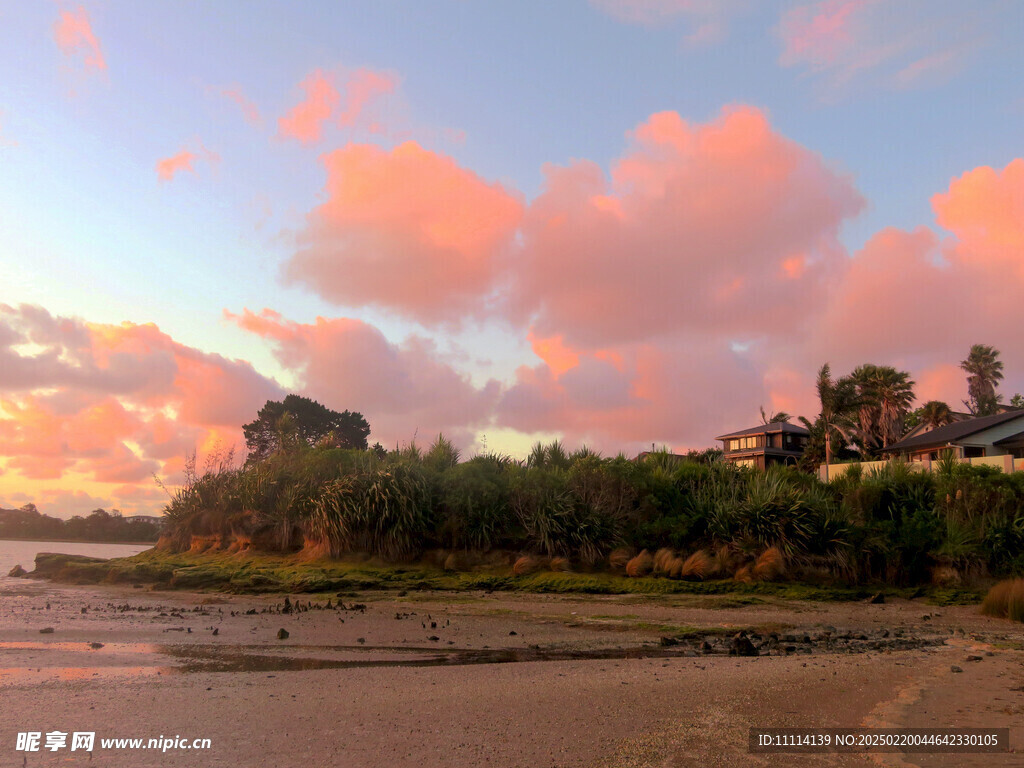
<point x="476" y="678"/>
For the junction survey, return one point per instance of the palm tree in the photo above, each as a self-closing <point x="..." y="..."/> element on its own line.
<point x="774" y="418"/>
<point x="936" y="413"/>
<point x="985" y="371"/>
<point x="885" y="396"/>
<point x="838" y="403"/>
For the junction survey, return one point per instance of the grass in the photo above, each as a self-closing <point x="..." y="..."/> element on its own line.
<point x="1005" y="600"/>
<point x="255" y="573"/>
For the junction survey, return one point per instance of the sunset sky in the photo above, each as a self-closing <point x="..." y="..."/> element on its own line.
<point x="615" y="222"/>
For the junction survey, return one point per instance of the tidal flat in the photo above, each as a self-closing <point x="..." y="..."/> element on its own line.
<point x="419" y="676"/>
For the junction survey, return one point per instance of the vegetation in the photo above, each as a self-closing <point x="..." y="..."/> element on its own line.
<point x="984" y="372"/>
<point x="99" y="525"/>
<point x="1005" y="600"/>
<point x="576" y="511"/>
<point x="298" y="420"/>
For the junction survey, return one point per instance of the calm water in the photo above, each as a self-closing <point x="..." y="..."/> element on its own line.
<point x="23" y="553"/>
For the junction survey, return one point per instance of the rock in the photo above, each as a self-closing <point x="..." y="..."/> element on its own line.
<point x="877" y="599"/>
<point x="282" y="634"/>
<point x="216" y="631"/>
<point x="741" y="646"/>
<point x="361" y="640"/>
<point x="17" y="571"/>
<point x="926" y="617"/>
<point x="973" y="658"/>
<point x="955" y="668"/>
<point x="46" y="631"/>
<point x="669" y="641"/>
<point x="513" y="633"/>
<point x="95" y="646"/>
<point x="705" y="647"/>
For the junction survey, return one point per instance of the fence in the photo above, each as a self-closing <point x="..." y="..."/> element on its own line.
<point x="1003" y="463"/>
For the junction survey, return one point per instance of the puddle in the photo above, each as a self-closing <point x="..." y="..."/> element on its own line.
<point x="198" y="658"/>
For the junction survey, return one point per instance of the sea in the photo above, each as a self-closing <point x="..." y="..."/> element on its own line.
<point x="24" y="553"/>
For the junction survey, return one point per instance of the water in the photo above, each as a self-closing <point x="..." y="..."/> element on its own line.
<point x="24" y="553"/>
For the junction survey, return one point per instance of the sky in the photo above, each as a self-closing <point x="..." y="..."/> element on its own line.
<point x="616" y="223"/>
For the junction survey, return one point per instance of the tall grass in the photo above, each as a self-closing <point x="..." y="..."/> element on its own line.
<point x="705" y="519"/>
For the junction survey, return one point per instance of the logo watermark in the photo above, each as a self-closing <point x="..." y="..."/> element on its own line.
<point x="86" y="741"/>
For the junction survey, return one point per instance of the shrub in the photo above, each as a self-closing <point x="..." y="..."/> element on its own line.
<point x="641" y="565"/>
<point x="1005" y="600"/>
<point x="699" y="565"/>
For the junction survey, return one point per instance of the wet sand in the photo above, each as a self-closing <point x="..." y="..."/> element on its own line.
<point x="470" y="679"/>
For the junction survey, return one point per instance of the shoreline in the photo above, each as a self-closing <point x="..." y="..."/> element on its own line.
<point x="77" y="541"/>
<point x="258" y="573"/>
<point x="506" y="678"/>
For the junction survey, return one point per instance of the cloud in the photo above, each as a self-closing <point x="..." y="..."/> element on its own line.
<point x="710" y="17"/>
<point x="168" y="167"/>
<point x="918" y="300"/>
<point x="363" y="86"/>
<point x="401" y="389"/>
<point x="74" y="36"/>
<point x="405" y="229"/>
<point x="680" y="392"/>
<point x="113" y="403"/>
<point x="895" y="45"/>
<point x="323" y="103"/>
<point x="248" y="107"/>
<point x="305" y="120"/>
<point x="729" y="227"/>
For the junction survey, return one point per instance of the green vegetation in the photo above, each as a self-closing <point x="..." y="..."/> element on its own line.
<point x="693" y="525"/>
<point x="98" y="525"/>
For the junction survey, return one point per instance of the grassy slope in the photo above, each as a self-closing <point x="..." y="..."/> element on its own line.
<point x="274" y="573"/>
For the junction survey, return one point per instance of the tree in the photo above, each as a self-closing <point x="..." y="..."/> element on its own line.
<point x="1017" y="401"/>
<point x="884" y="396"/>
<point x="935" y="413"/>
<point x="775" y="418"/>
<point x="298" y="421"/>
<point x="985" y="371"/>
<point x="839" y="403"/>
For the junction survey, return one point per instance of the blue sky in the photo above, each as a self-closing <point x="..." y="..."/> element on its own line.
<point x="888" y="102"/>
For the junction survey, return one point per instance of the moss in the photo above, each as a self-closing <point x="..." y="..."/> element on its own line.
<point x="257" y="572"/>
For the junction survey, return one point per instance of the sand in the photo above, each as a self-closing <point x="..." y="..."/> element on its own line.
<point x="379" y="686"/>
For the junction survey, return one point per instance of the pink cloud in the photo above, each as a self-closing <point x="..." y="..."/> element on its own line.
<point x="679" y="392"/>
<point x="248" y="107"/>
<point x="113" y="402"/>
<point x="984" y="208"/>
<point x="74" y="36"/>
<point x="305" y="120"/>
<point x="896" y="45"/>
<point x="821" y="33"/>
<point x="729" y="227"/>
<point x="406" y="229"/>
<point x="401" y="389"/>
<point x="168" y="167"/>
<point x="363" y="86"/>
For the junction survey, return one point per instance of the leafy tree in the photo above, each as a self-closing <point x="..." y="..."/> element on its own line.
<point x="1017" y="401"/>
<point x="296" y="421"/>
<point x="839" y="403"/>
<point x="884" y="396"/>
<point x="985" y="371"/>
<point x="935" y="413"/>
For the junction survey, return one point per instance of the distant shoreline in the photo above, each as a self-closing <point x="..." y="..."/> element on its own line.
<point x="78" y="541"/>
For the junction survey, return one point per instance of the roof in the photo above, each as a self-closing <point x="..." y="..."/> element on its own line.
<point x="767" y="429"/>
<point x="955" y="431"/>
<point x="1012" y="439"/>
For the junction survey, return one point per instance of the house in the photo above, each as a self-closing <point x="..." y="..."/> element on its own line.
<point x="777" y="443"/>
<point x="1001" y="434"/>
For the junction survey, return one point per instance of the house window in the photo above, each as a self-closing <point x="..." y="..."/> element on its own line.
<point x="745" y="463"/>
